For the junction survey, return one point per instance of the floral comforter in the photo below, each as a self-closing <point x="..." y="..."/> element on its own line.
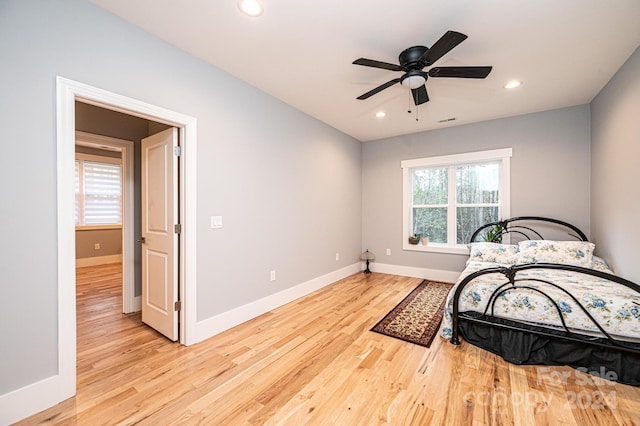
<point x="614" y="306"/>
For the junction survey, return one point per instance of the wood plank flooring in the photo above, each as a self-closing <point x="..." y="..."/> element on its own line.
<point x="312" y="362"/>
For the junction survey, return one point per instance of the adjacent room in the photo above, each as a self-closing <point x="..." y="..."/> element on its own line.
<point x="278" y="212"/>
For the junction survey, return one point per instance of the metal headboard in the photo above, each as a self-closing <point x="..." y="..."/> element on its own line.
<point x="507" y="226"/>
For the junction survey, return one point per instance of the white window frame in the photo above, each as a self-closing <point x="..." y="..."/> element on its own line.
<point x="504" y="209"/>
<point x="108" y="160"/>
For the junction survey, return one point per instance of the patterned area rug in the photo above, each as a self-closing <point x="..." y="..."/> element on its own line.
<point x="416" y="319"/>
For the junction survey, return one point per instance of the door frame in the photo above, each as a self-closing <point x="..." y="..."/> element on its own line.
<point x="127" y="151"/>
<point x="68" y="92"/>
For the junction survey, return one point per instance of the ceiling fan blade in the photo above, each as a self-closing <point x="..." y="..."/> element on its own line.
<point x="377" y="64"/>
<point x="447" y="42"/>
<point x="420" y="95"/>
<point x="379" y="88"/>
<point x="460" y="72"/>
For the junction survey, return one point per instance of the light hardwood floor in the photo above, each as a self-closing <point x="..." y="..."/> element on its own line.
<point x="312" y="362"/>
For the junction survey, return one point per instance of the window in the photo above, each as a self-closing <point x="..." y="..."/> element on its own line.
<point x="98" y="189"/>
<point x="447" y="198"/>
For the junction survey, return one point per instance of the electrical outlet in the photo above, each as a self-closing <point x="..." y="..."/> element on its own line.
<point x="273" y="275"/>
<point x="96" y="246"/>
<point x="388" y="252"/>
<point x="337" y="256"/>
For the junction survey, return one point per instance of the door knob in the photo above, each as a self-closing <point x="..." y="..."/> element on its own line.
<point x="142" y="240"/>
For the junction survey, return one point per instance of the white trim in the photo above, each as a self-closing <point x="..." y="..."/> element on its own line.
<point x="447" y="160"/>
<point x="188" y="181"/>
<point x="31" y="399"/>
<point x="461" y="249"/>
<point x="226" y="320"/>
<point x="99" y="260"/>
<point x="35" y="397"/>
<point x="97" y="227"/>
<point x="75" y="91"/>
<point x="127" y="158"/>
<point x="410" y="271"/>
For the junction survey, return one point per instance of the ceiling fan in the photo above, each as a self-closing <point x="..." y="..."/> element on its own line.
<point x="414" y="59"/>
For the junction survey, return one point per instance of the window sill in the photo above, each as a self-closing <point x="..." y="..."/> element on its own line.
<point x="437" y="248"/>
<point x="96" y="227"/>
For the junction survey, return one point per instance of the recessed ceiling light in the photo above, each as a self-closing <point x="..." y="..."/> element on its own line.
<point x="251" y="8"/>
<point x="380" y="114"/>
<point x="512" y="84"/>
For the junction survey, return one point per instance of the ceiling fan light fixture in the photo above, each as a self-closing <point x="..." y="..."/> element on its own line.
<point x="413" y="81"/>
<point x="512" y="84"/>
<point x="251" y="8"/>
<point x="381" y="114"/>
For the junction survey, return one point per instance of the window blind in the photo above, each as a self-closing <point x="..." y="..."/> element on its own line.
<point x="98" y="193"/>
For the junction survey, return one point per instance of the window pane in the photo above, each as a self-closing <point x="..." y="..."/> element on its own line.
<point x="430" y="186"/>
<point x="478" y="183"/>
<point x="431" y="223"/>
<point x="471" y="218"/>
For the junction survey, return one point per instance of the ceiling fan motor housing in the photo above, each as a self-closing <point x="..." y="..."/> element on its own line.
<point x="410" y="58"/>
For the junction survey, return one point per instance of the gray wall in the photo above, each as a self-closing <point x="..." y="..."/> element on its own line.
<point x="287" y="185"/>
<point x="549" y="175"/>
<point x="110" y="241"/>
<point x="615" y="170"/>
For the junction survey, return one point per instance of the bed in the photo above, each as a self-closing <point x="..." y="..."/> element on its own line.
<point x="545" y="302"/>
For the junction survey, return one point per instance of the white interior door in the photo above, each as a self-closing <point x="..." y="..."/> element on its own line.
<point x="159" y="237"/>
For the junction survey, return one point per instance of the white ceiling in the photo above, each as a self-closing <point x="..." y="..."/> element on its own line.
<point x="299" y="51"/>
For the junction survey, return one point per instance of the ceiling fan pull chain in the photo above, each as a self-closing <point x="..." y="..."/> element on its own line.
<point x="417" y="109"/>
<point x="410" y="102"/>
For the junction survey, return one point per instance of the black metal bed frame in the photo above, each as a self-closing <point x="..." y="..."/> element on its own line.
<point x="514" y="283"/>
<point x="508" y="227"/>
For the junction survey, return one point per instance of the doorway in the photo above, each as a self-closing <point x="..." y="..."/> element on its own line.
<point x="119" y="186"/>
<point x="100" y="145"/>
<point x="68" y="92"/>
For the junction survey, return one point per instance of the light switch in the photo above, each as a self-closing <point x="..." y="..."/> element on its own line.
<point x="216" y="222"/>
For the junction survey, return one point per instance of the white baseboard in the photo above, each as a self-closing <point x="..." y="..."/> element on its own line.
<point x="31" y="399"/>
<point x="99" y="260"/>
<point x="226" y="320"/>
<point x="410" y="271"/>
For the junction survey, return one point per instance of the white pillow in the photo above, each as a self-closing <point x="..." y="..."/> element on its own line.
<point x="578" y="253"/>
<point x="493" y="252"/>
<point x="599" y="264"/>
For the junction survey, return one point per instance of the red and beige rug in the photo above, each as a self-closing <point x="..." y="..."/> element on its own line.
<point x="416" y="319"/>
